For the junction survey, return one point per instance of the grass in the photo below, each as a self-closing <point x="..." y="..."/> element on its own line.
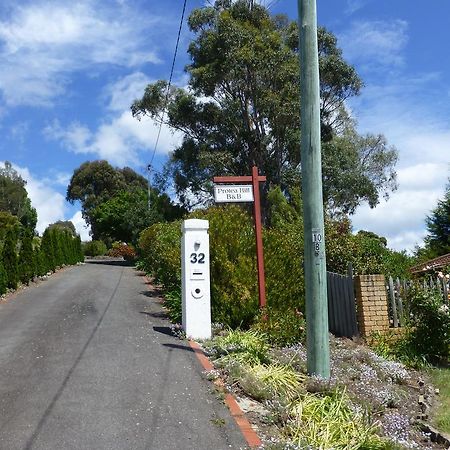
<point x="441" y="380"/>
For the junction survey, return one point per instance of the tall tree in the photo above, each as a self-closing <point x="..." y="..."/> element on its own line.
<point x="124" y="216"/>
<point x="14" y="197"/>
<point x="242" y="106"/>
<point x="95" y="182"/>
<point x="26" y="259"/>
<point x="437" y="242"/>
<point x="10" y="259"/>
<point x="64" y="225"/>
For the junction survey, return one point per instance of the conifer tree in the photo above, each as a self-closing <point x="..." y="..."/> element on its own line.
<point x="26" y="262"/>
<point x="79" y="249"/>
<point x="10" y="259"/>
<point x="48" y="252"/>
<point x="3" y="279"/>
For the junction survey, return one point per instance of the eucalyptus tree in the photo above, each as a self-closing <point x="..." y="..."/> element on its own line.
<point x="242" y="107"/>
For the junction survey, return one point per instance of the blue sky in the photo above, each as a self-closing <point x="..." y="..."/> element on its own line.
<point x="70" y="70"/>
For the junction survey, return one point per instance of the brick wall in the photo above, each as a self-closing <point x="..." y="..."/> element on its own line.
<point x="371" y="301"/>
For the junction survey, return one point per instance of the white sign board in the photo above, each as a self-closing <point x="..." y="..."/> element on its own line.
<point x="229" y="193"/>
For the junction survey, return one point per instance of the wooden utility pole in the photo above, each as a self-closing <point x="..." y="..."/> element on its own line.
<point x="318" y="352"/>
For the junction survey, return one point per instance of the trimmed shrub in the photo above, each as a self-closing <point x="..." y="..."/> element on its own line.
<point x="429" y="335"/>
<point x="94" y="248"/>
<point x="3" y="278"/>
<point x="120" y="249"/>
<point x="161" y="253"/>
<point x="234" y="293"/>
<point x="10" y="262"/>
<point x="26" y="259"/>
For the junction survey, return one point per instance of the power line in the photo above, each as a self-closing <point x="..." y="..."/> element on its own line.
<point x="170" y="82"/>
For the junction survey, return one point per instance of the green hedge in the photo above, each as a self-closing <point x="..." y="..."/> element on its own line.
<point x="234" y="294"/>
<point x="234" y="290"/>
<point x="94" y="248"/>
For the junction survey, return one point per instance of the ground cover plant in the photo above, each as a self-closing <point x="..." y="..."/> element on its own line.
<point x="368" y="403"/>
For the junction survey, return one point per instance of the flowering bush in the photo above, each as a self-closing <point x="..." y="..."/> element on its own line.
<point x="120" y="249"/>
<point x="429" y="325"/>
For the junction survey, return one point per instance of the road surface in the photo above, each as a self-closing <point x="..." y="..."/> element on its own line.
<point x="87" y="362"/>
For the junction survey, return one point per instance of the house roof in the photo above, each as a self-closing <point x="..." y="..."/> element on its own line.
<point x="435" y="263"/>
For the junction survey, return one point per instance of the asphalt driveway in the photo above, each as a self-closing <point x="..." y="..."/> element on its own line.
<point x="87" y="361"/>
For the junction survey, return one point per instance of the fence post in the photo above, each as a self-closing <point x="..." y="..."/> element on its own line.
<point x="400" y="302"/>
<point x="444" y="284"/>
<point x="393" y="305"/>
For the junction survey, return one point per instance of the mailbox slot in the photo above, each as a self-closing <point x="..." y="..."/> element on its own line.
<point x="197" y="274"/>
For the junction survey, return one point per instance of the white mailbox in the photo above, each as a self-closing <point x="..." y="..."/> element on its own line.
<point x="195" y="285"/>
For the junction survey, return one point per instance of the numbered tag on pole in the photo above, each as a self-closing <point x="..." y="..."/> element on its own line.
<point x="318" y="243"/>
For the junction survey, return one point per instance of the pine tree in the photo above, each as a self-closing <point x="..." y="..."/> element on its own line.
<point x="10" y="259"/>
<point x="26" y="263"/>
<point x="79" y="249"/>
<point x="48" y="252"/>
<point x="3" y="278"/>
<point x="56" y="245"/>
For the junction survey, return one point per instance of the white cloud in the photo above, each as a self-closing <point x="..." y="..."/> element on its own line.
<point x="49" y="204"/>
<point x="122" y="138"/>
<point x="124" y="91"/>
<point x="375" y="44"/>
<point x="43" y="43"/>
<point x="402" y="219"/>
<point x="355" y="5"/>
<point x="81" y="226"/>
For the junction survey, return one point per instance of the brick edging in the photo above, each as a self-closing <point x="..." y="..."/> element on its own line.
<point x="236" y="412"/>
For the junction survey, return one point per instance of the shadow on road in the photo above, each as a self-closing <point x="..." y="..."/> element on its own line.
<point x="157" y="315"/>
<point x="110" y="262"/>
<point x="164" y="330"/>
<point x="178" y="347"/>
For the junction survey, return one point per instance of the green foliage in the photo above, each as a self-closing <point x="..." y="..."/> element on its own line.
<point x="366" y="251"/>
<point x="266" y="381"/>
<point x="330" y="422"/>
<point x="8" y="221"/>
<point x="96" y="182"/>
<point x="172" y="301"/>
<point x="3" y="278"/>
<point x="58" y="247"/>
<point x="437" y="242"/>
<point x="48" y="252"/>
<point x="243" y="108"/>
<point x="246" y="347"/>
<point x="65" y="225"/>
<point x="429" y="334"/>
<point x="26" y="259"/>
<point x="234" y="295"/>
<point x="14" y="197"/>
<point x="441" y="380"/>
<point x="10" y="262"/>
<point x="159" y="246"/>
<point x="282" y="327"/>
<point x="425" y="340"/>
<point x="124" y="216"/>
<point x="94" y="248"/>
<point x="355" y="169"/>
<point x="119" y="249"/>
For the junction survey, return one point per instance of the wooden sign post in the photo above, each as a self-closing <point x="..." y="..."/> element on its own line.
<point x="240" y="194"/>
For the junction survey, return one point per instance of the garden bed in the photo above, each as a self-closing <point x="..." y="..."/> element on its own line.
<point x="368" y="403"/>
